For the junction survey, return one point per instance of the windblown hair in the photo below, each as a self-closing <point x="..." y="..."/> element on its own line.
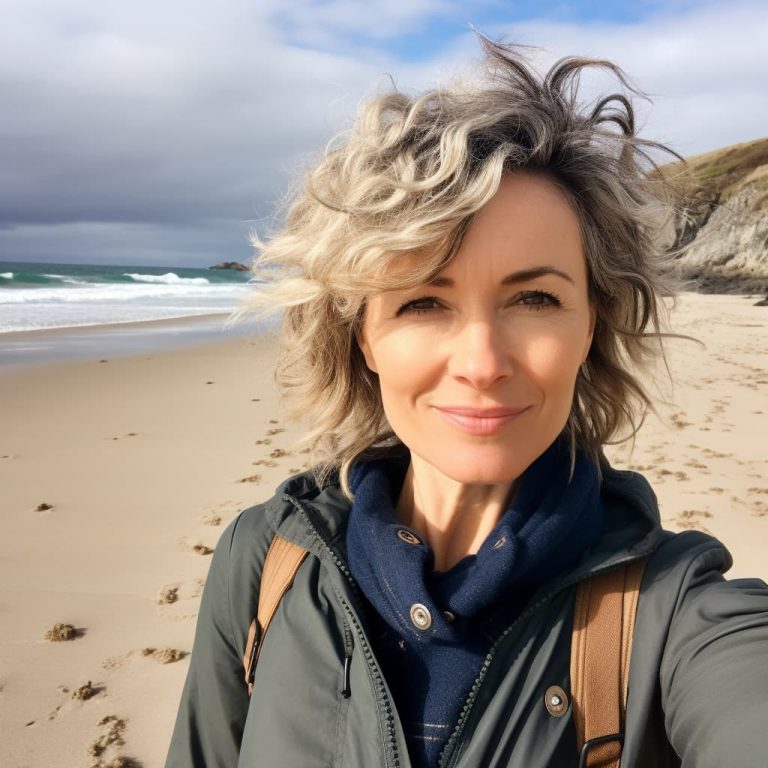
<point x="407" y="179"/>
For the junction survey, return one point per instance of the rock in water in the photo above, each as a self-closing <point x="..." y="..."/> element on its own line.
<point x="236" y="265"/>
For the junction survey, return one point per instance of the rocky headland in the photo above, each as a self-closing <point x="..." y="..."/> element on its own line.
<point x="722" y="229"/>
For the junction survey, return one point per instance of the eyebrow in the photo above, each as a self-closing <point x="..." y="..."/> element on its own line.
<point x="521" y="276"/>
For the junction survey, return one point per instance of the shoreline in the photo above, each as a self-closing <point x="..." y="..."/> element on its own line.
<point x="33" y="348"/>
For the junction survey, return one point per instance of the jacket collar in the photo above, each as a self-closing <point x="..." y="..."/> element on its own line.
<point x="631" y="527"/>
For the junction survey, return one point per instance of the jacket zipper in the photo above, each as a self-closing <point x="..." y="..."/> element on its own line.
<point x="349" y="645"/>
<point x="390" y="739"/>
<point x="450" y="752"/>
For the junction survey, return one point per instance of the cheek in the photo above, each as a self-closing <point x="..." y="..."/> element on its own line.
<point x="406" y="350"/>
<point x="404" y="368"/>
<point x="553" y="360"/>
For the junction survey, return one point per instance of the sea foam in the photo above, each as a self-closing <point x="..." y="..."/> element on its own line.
<point x="170" y="278"/>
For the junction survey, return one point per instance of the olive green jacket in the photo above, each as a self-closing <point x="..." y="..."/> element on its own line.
<point x="698" y="687"/>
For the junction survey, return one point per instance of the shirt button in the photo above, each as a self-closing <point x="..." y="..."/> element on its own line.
<point x="420" y="616"/>
<point x="499" y="543"/>
<point x="405" y="535"/>
<point x="556" y="701"/>
<point x="449" y="616"/>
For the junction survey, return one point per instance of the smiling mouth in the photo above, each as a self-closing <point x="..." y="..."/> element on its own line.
<point x="480" y="421"/>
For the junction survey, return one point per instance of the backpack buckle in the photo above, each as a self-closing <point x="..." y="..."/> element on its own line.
<point x="596" y="742"/>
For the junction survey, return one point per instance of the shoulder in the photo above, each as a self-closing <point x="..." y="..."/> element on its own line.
<point x="300" y="510"/>
<point x="712" y="636"/>
<point x="685" y="594"/>
<point x="688" y="555"/>
<point x="691" y="566"/>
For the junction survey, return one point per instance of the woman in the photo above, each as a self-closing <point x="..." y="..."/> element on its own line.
<point x="467" y="278"/>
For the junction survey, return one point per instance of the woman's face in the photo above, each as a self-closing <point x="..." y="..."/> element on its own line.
<point x="477" y="369"/>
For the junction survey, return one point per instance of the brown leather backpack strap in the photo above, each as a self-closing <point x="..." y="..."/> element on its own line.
<point x="601" y="647"/>
<point x="280" y="566"/>
<point x="632" y="580"/>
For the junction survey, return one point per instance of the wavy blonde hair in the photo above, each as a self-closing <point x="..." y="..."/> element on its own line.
<point x="407" y="179"/>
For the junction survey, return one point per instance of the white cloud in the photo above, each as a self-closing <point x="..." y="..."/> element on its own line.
<point x="704" y="68"/>
<point x="171" y="114"/>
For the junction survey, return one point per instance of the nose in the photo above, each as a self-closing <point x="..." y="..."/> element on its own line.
<point x="479" y="355"/>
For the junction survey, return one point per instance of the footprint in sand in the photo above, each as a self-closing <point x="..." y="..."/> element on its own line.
<point x="179" y="601"/>
<point x="164" y="655"/>
<point x="249" y="479"/>
<point x="168" y="594"/>
<point x="87" y="691"/>
<point x="758" y="506"/>
<point x="160" y="655"/>
<point x="691" y="519"/>
<point x="221" y="513"/>
<point x="74" y="698"/>
<point x="710" y="454"/>
<point x="61" y="632"/>
<point x="112" y="737"/>
<point x="678" y="420"/>
<point x="195" y="546"/>
<point x="679" y="475"/>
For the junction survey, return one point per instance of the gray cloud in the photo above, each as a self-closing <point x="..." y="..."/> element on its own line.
<point x="162" y="133"/>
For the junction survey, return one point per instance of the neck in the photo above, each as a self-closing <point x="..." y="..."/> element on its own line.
<point x="453" y="518"/>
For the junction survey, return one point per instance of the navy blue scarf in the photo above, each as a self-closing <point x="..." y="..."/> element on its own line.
<point x="552" y="520"/>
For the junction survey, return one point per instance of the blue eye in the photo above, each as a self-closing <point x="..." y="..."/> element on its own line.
<point x="418" y="306"/>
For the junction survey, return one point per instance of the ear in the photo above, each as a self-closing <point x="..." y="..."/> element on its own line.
<point x="365" y="347"/>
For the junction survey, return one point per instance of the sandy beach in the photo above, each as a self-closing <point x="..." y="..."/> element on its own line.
<point x="143" y="459"/>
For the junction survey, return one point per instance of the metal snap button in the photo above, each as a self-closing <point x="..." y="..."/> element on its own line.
<point x="405" y="535"/>
<point x="499" y="543"/>
<point x="449" y="616"/>
<point x="420" y="616"/>
<point x="556" y="701"/>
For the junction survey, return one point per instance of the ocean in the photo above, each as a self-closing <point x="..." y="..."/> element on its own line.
<point x="35" y="296"/>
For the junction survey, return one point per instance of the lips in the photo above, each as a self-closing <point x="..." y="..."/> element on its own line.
<point x="479" y="421"/>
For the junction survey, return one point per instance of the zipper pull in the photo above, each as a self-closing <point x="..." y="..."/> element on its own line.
<point x="349" y="644"/>
<point x="345" y="689"/>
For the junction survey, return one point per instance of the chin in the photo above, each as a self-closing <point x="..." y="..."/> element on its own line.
<point x="482" y="469"/>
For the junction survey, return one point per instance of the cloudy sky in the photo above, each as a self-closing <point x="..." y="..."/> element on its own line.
<point x="163" y="132"/>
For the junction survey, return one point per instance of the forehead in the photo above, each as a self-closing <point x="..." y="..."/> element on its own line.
<point x="528" y="223"/>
